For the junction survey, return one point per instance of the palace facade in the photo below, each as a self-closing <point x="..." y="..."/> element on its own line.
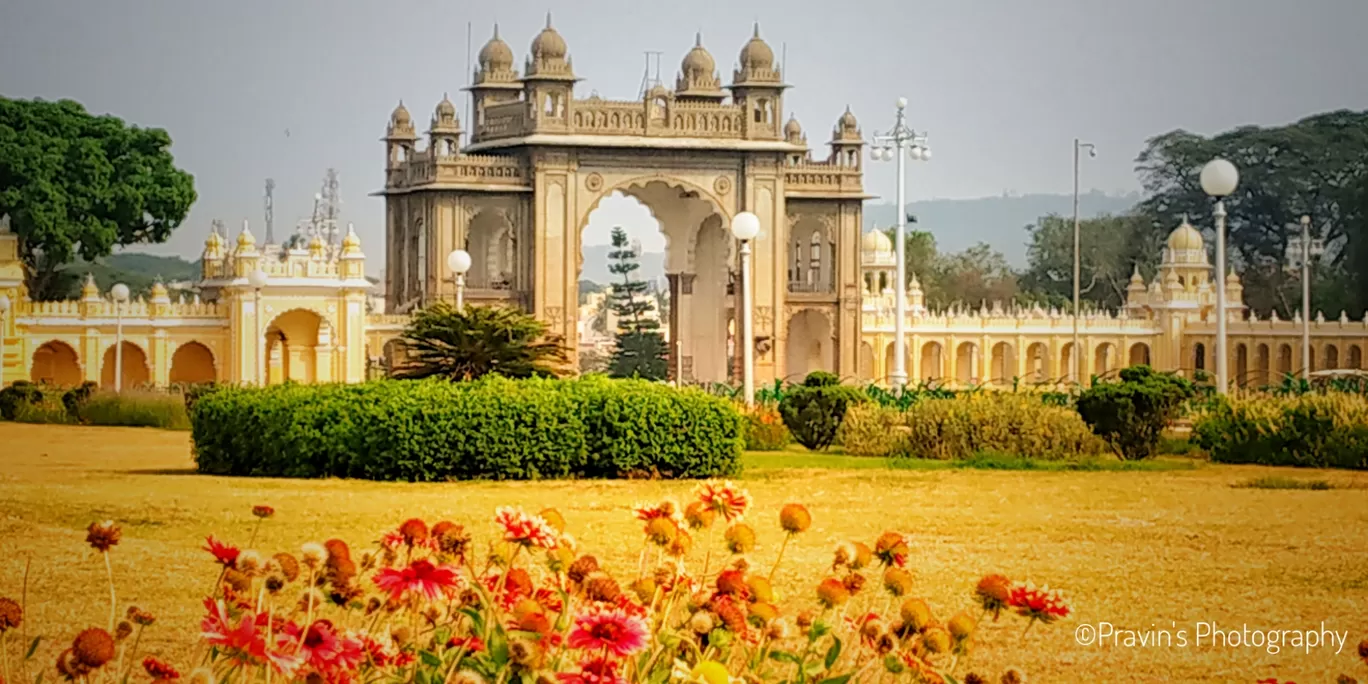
<point x="516" y="191"/>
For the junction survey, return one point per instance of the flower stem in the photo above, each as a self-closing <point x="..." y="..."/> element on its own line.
<point x="1029" y="624"/>
<point x="113" y="601"/>
<point x="780" y="558"/>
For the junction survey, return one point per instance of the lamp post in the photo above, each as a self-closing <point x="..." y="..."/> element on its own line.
<point x="120" y="293"/>
<point x="745" y="226"/>
<point x="1300" y="251"/>
<point x="1219" y="178"/>
<point x="459" y="262"/>
<point x="4" y="314"/>
<point x="257" y="279"/>
<point x="1078" y="262"/>
<point x="901" y="138"/>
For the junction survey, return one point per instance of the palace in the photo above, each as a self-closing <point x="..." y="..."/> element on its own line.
<point x="517" y="195"/>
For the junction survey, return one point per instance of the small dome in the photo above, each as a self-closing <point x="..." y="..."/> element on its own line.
<point x="496" y="55"/>
<point x="245" y="239"/>
<point x="1185" y="237"/>
<point x="351" y="242"/>
<point x="876" y="241"/>
<point x="699" y="61"/>
<point x="1136" y="278"/>
<point x="159" y="289"/>
<point x="400" y="117"/>
<point x="757" y="53"/>
<point x="445" y="109"/>
<point x="1232" y="279"/>
<point x="793" y="130"/>
<point x="848" y="121"/>
<point x="548" y="44"/>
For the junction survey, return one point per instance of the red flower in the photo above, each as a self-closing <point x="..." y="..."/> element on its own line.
<point x="159" y="669"/>
<point x="241" y="639"/>
<point x="665" y="509"/>
<point x="608" y="630"/>
<point x="263" y="511"/>
<point x="329" y="653"/>
<point x="472" y="644"/>
<point x="725" y="498"/>
<point x="420" y="577"/>
<point x="224" y="554"/>
<point x="594" y="671"/>
<point x="1044" y="604"/>
<point x="524" y="529"/>
<point x="891" y="549"/>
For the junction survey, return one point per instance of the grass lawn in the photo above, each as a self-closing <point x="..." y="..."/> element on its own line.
<point x="1157" y="549"/>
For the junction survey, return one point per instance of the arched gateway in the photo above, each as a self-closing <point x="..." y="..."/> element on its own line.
<point x="517" y="196"/>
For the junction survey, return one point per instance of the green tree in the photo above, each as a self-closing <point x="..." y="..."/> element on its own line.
<point x="814" y="410"/>
<point x="77" y="184"/>
<point x="639" y="351"/>
<point x="977" y="275"/>
<point x="1131" y="415"/>
<point x="479" y="340"/>
<point x="1356" y="249"/>
<point x="1110" y="248"/>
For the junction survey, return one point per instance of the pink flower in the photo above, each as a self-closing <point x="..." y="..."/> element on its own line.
<point x="524" y="529"/>
<point x="1044" y="604"/>
<point x="224" y="554"/>
<point x="725" y="498"/>
<point x="593" y="671"/>
<point x="241" y="639"/>
<point x="471" y="644"/>
<point x="612" y="629"/>
<point x="329" y="653"/>
<point x="665" y="509"/>
<point x="420" y="577"/>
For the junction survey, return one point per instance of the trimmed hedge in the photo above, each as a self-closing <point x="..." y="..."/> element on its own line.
<point x="1310" y="430"/>
<point x="493" y="428"/>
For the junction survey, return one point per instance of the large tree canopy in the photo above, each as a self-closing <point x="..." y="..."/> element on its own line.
<point x="74" y="183"/>
<point x="1111" y="247"/>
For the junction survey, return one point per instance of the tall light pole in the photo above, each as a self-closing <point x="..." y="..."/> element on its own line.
<point x="1078" y="263"/>
<point x="1300" y="251"/>
<point x="4" y="314"/>
<point x="459" y="262"/>
<point x="120" y="293"/>
<point x="901" y="138"/>
<point x="1219" y="178"/>
<point x="257" y="279"/>
<point x="745" y="226"/>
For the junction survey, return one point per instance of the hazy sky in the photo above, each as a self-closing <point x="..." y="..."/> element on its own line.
<point x="1001" y="86"/>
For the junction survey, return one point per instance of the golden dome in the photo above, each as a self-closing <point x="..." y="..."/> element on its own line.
<point x="89" y="290"/>
<point x="757" y="53"/>
<point x="245" y="239"/>
<point x="445" y="109"/>
<point x="351" y="243"/>
<point x="699" y="61"/>
<point x="548" y="44"/>
<point x="400" y="117"/>
<point x="159" y="289"/>
<point x="496" y="55"/>
<point x="876" y="241"/>
<point x="1185" y="237"/>
<point x="793" y="130"/>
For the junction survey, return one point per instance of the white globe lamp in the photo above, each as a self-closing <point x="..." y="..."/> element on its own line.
<point x="1219" y="178"/>
<point x="745" y="226"/>
<point x="459" y="261"/>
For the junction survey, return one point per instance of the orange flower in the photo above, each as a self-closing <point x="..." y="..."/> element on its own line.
<point x="260" y="512"/>
<point x="832" y="593"/>
<point x="11" y="615"/>
<point x="993" y="593"/>
<point x="93" y="648"/>
<point x="794" y="518"/>
<point x="725" y="498"/>
<point x="159" y="669"/>
<point x="103" y="536"/>
<point x="891" y="549"/>
<point x="740" y="538"/>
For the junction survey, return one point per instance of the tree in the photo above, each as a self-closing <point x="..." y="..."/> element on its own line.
<point x="479" y="340"/>
<point x="978" y="274"/>
<point x="814" y="410"/>
<point x="1131" y="415"/>
<point x="640" y="350"/>
<point x="77" y="184"/>
<point x="1110" y="248"/>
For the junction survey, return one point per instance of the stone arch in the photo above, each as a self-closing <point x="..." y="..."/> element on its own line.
<point x="1285" y="367"/>
<point x="1354" y="357"/>
<point x="492" y="241"/>
<point x="1199" y="357"/>
<point x="136" y="371"/>
<point x="192" y="364"/>
<point x="1139" y="354"/>
<point x="810" y="344"/>
<point x="1331" y="357"/>
<point x="1038" y="362"/>
<point x="932" y="361"/>
<point x="1002" y="368"/>
<point x="907" y="363"/>
<point x="1066" y="363"/>
<point x="292" y="341"/>
<point x="1241" y="364"/>
<point x="966" y="363"/>
<point x="1104" y="359"/>
<point x="1262" y="365"/>
<point x="811" y="254"/>
<point x="866" y="360"/>
<point x="56" y="363"/>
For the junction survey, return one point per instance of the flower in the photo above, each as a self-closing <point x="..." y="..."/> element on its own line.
<point x="224" y="554"/>
<point x="1044" y="604"/>
<point x="93" y="648"/>
<point x="740" y="538"/>
<point x="313" y="554"/>
<point x="593" y="671"/>
<point x="733" y="583"/>
<point x="553" y="518"/>
<point x="832" y="592"/>
<point x="698" y="515"/>
<point x="103" y="536"/>
<point x="217" y="629"/>
<point x="666" y="509"/>
<point x="140" y="617"/>
<point x="263" y="512"/>
<point x="611" y="629"/>
<point x="420" y="577"/>
<point x="794" y="518"/>
<point x="897" y="581"/>
<point x="289" y="567"/>
<point x="915" y="614"/>
<point x="936" y="640"/>
<point x="159" y="669"/>
<point x="710" y="672"/>
<point x="993" y="593"/>
<point x="249" y="562"/>
<point x="583" y="567"/>
<point x="1014" y="676"/>
<point x="526" y="530"/>
<point x="961" y="626"/>
<point x="451" y="538"/>
<point x="11" y="614"/>
<point x="661" y="531"/>
<point x="471" y="644"/>
<point x="891" y="549"/>
<point x="327" y="652"/>
<point x="601" y="587"/>
<point x="725" y="499"/>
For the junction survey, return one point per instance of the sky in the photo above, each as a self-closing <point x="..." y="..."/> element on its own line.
<point x="252" y="89"/>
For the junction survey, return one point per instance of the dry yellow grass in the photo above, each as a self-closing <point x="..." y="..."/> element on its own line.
<point x="1137" y="549"/>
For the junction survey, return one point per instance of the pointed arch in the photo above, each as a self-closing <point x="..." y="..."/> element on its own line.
<point x="55" y="363"/>
<point x="192" y="364"/>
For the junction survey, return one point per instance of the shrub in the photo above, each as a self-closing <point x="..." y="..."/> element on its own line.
<point x="134" y="409"/>
<point x="492" y="428"/>
<point x="871" y="429"/>
<point x="1132" y="414"/>
<point x="19" y="393"/>
<point x="76" y="397"/>
<point x="1001" y="422"/>
<point x="765" y="429"/>
<point x="814" y="410"/>
<point x="1313" y="430"/>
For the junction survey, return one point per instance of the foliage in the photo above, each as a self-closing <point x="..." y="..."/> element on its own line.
<point x="19" y="392"/>
<point x="73" y="183"/>
<point x="814" y="410"/>
<point x="445" y="342"/>
<point x="640" y="351"/>
<point x="968" y="278"/>
<point x="1274" y="482"/>
<point x="1311" y="430"/>
<point x="492" y="428"/>
<point x="138" y="271"/>
<point x="532" y="606"/>
<point x="960" y="427"/>
<point x="135" y="409"/>
<point x="591" y="361"/>
<point x="1132" y="414"/>
<point x="765" y="430"/>
<point x="1111" y="247"/>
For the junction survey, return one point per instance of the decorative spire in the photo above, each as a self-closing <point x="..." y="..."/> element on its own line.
<point x="89" y="290"/>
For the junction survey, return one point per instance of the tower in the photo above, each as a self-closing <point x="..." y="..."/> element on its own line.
<point x="847" y="142"/>
<point x="697" y="78"/>
<point x="549" y="81"/>
<point x="758" y="87"/>
<point x="399" y="139"/>
<point x="495" y="81"/>
<point x="444" y="135"/>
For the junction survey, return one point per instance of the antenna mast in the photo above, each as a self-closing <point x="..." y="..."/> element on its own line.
<point x="332" y="208"/>
<point x="648" y="80"/>
<point x="270" y="211"/>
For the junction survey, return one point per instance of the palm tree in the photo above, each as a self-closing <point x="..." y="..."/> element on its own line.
<point x="463" y="345"/>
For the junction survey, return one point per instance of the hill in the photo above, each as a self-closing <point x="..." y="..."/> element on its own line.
<point x="136" y="270"/>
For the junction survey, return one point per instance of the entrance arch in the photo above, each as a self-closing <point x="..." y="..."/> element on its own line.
<point x="192" y="364"/>
<point x="56" y="363"/>
<point x="1140" y="354"/>
<point x="1104" y="359"/>
<point x="135" y="370"/>
<point x="810" y="345"/>
<point x="293" y="339"/>
<point x="1002" y="370"/>
<point x="966" y="364"/>
<point x="932" y="361"/>
<point x="1038" y="362"/>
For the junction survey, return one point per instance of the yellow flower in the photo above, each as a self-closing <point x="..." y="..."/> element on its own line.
<point x="711" y="672"/>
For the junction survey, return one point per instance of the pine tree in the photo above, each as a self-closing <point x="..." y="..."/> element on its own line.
<point x="640" y="348"/>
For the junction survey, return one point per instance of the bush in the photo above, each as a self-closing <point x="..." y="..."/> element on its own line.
<point x="765" y="429"/>
<point x="814" y="410"/>
<point x="871" y="429"/>
<point x="19" y="393"/>
<point x="492" y="428"/>
<point x="76" y="397"/>
<point x="1132" y="414"/>
<point x="1312" y="430"/>
<point x="134" y="409"/>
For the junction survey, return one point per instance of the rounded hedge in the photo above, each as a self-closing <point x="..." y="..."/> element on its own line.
<point x="493" y="428"/>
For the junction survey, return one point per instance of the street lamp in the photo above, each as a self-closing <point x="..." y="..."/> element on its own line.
<point x="4" y="313"/>
<point x="120" y="293"/>
<point x="257" y="279"/>
<point x="1300" y="251"/>
<point x="745" y="226"/>
<point x="459" y="262"/>
<point x="1078" y="262"/>
<point x="901" y="138"/>
<point x="1219" y="178"/>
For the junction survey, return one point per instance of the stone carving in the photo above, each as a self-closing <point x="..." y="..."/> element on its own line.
<point x="722" y="185"/>
<point x="594" y="182"/>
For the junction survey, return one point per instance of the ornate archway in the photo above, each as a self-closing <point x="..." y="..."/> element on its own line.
<point x="810" y="344"/>
<point x="192" y="364"/>
<point x="297" y="347"/>
<point x="136" y="372"/>
<point x="56" y="363"/>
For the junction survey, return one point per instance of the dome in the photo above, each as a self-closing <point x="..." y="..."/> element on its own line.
<point x="699" y="61"/>
<point x="496" y="55"/>
<point x="757" y="53"/>
<point x="1185" y="237"/>
<point x="548" y="44"/>
<point x="793" y="130"/>
<point x="445" y="109"/>
<point x="351" y="243"/>
<point x="245" y="239"/>
<point x="848" y="121"/>
<point x="400" y="117"/>
<point x="159" y="289"/>
<point x="876" y="241"/>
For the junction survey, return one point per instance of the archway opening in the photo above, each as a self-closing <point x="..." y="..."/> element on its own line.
<point x="1355" y="357"/>
<point x="810" y="345"/>
<point x="1284" y="361"/>
<point x="1104" y="359"/>
<point x="1038" y="362"/>
<point x="966" y="364"/>
<point x="135" y="371"/>
<point x="1140" y="354"/>
<point x="493" y="246"/>
<point x="1199" y="356"/>
<point x="293" y="340"/>
<point x="1262" y="365"/>
<point x="1331" y="357"/>
<point x="56" y="363"/>
<point x="1066" y="363"/>
<point x="1003" y="368"/>
<point x="1241" y="364"/>
<point x="811" y="257"/>
<point x="932" y="361"/>
<point x="192" y="364"/>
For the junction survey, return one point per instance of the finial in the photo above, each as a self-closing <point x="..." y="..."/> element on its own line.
<point x="1185" y="218"/>
<point x="698" y="39"/>
<point x="445" y="96"/>
<point x="757" y="30"/>
<point x="496" y="30"/>
<point x="548" y="20"/>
